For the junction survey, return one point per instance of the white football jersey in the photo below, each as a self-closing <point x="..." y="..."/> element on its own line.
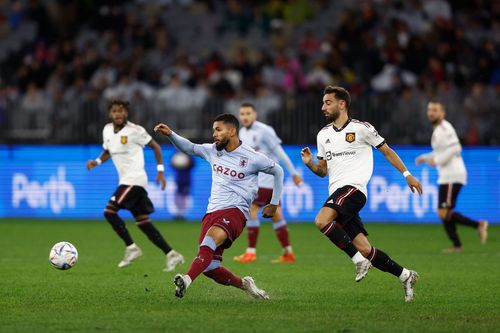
<point x="127" y="152"/>
<point x="453" y="169"/>
<point x="261" y="138"/>
<point x="234" y="175"/>
<point x="348" y="153"/>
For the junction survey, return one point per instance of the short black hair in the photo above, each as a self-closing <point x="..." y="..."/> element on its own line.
<point x="340" y="94"/>
<point x="227" y="118"/>
<point x="124" y="104"/>
<point x="248" y="105"/>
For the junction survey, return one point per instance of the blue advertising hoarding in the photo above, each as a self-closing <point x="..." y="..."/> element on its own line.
<point x="52" y="182"/>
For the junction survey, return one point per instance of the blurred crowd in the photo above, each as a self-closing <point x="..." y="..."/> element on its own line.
<point x="184" y="61"/>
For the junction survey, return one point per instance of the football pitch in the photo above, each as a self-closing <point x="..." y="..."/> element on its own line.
<point x="455" y="293"/>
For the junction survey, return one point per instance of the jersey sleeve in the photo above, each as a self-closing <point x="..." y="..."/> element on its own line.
<point x="270" y="138"/>
<point x="104" y="144"/>
<point x="264" y="163"/>
<point x="142" y="137"/>
<point x="203" y="150"/>
<point x="321" y="148"/>
<point x="371" y="136"/>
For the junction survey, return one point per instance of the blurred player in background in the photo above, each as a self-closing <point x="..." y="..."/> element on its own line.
<point x="446" y="157"/>
<point x="263" y="138"/>
<point x="345" y="155"/>
<point x="183" y="164"/>
<point x="124" y="142"/>
<point x="235" y="168"/>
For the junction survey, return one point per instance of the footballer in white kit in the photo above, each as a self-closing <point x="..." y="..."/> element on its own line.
<point x="345" y="155"/>
<point x="263" y="138"/>
<point x="123" y="142"/>
<point x="235" y="168"/>
<point x="446" y="156"/>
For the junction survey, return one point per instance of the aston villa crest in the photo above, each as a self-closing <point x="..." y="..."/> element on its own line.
<point x="243" y="162"/>
<point x="350" y="137"/>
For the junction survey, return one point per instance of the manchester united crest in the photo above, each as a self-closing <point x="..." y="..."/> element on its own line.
<point x="123" y="139"/>
<point x="350" y="137"/>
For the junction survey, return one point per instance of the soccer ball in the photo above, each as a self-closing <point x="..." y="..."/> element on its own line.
<point x="63" y="255"/>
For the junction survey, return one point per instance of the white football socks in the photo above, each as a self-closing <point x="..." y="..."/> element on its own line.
<point x="358" y="257"/>
<point x="404" y="275"/>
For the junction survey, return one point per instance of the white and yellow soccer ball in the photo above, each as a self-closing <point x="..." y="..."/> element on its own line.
<point x="63" y="255"/>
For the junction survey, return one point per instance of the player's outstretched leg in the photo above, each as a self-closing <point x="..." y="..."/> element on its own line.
<point x="144" y="223"/>
<point x="132" y="251"/>
<point x="251" y="288"/>
<point x="383" y="262"/>
<point x="482" y="229"/>
<point x="118" y="225"/>
<point x="250" y="255"/>
<point x="339" y="237"/>
<point x="450" y="228"/>
<point x="173" y="258"/>
<point x="281" y="230"/>
<point x="198" y="266"/>
<point x="222" y="275"/>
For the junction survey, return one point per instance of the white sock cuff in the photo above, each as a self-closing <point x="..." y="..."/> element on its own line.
<point x="213" y="265"/>
<point x="279" y="224"/>
<point x="404" y="275"/>
<point x="253" y="223"/>
<point x="358" y="257"/>
<point x="188" y="280"/>
<point x="210" y="242"/>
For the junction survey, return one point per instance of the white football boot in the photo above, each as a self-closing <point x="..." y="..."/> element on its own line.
<point x="174" y="259"/>
<point x="362" y="269"/>
<point x="252" y="290"/>
<point x="132" y="252"/>
<point x="181" y="282"/>
<point x="408" y="285"/>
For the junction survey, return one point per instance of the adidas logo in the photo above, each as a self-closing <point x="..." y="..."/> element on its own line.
<point x="327" y="141"/>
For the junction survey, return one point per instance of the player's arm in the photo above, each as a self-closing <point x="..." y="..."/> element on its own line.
<point x="425" y="158"/>
<point x="319" y="169"/>
<point x="287" y="163"/>
<point x="103" y="157"/>
<point x="394" y="159"/>
<point x="160" y="176"/>
<point x="277" y="172"/>
<point x="180" y="142"/>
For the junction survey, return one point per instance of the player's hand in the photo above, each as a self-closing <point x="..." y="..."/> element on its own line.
<point x="414" y="184"/>
<point x="297" y="180"/>
<point x="160" y="179"/>
<point x="420" y="160"/>
<point x="306" y="155"/>
<point x="91" y="164"/>
<point x="163" y="129"/>
<point x="269" y="210"/>
<point x="431" y="161"/>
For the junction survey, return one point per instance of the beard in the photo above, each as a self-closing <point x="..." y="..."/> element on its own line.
<point x="221" y="145"/>
<point x="332" y="117"/>
<point x="435" y="121"/>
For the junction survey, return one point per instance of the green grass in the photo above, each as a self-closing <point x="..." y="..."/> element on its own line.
<point x="456" y="293"/>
